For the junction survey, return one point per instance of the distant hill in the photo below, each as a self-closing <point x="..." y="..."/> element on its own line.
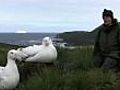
<point x="79" y="37"/>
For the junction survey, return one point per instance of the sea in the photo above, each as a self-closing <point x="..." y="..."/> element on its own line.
<point x="24" y="38"/>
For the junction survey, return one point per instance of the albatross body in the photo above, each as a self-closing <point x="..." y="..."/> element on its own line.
<point x="46" y="52"/>
<point x="9" y="75"/>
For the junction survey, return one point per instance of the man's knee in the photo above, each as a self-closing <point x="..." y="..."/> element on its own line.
<point x="109" y="63"/>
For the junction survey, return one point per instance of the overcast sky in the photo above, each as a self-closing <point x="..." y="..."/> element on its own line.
<point x="54" y="15"/>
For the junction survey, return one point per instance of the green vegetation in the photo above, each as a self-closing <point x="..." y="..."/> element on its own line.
<point x="79" y="37"/>
<point x="73" y="70"/>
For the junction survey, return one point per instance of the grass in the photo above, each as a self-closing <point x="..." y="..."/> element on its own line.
<point x="73" y="70"/>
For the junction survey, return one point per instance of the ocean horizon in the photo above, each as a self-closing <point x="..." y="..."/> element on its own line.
<point x="24" y="38"/>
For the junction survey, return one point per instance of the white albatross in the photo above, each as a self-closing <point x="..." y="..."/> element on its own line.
<point x="45" y="53"/>
<point x="9" y="75"/>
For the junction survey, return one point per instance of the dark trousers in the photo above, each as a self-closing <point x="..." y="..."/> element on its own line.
<point x="106" y="63"/>
<point x="110" y="64"/>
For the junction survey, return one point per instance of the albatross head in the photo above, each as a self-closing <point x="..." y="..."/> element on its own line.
<point x="46" y="41"/>
<point x="14" y="55"/>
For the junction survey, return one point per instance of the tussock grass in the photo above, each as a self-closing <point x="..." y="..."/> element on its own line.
<point x="73" y="70"/>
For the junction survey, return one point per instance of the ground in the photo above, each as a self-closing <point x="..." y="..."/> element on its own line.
<point x="73" y="70"/>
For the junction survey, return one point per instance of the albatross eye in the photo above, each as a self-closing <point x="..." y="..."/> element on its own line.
<point x="11" y="52"/>
<point x="20" y="49"/>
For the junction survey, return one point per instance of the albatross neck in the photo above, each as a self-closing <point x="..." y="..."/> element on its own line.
<point x="10" y="63"/>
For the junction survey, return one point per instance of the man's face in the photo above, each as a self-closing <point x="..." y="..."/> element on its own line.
<point x="107" y="20"/>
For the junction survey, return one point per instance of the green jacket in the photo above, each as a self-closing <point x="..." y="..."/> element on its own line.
<point x="107" y="42"/>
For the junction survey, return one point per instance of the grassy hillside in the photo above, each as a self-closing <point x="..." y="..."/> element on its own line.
<point x="4" y="48"/>
<point x="79" y="37"/>
<point x="73" y="70"/>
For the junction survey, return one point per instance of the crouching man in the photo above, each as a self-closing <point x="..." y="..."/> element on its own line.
<point x="107" y="45"/>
